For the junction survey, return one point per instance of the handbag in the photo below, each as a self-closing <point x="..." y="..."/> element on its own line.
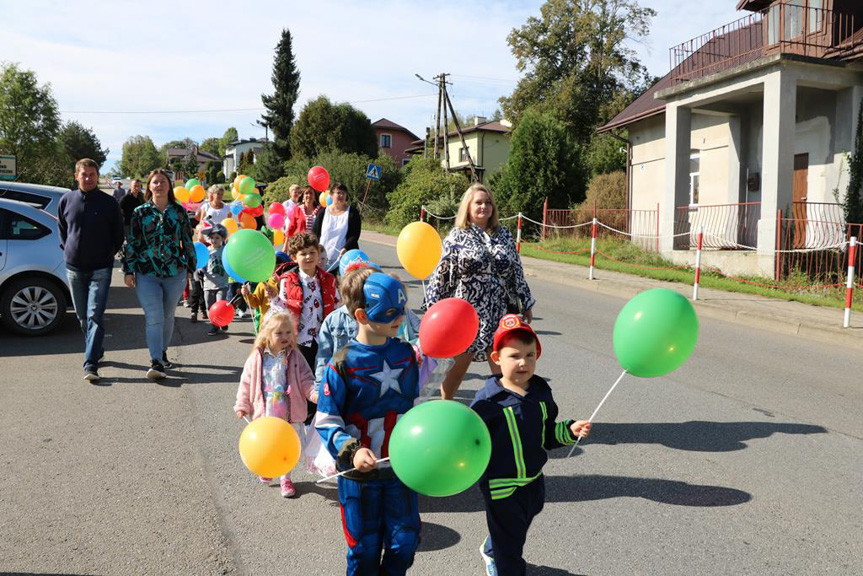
<point x="513" y="303"/>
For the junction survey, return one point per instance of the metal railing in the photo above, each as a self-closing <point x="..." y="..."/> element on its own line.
<point x="725" y="226"/>
<point x="785" y="27"/>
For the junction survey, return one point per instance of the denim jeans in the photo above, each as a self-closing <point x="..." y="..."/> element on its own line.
<point x="90" y="297"/>
<point x="159" y="297"/>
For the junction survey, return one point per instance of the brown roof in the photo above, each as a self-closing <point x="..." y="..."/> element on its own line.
<point x="642" y="107"/>
<point x="385" y="124"/>
<point x="492" y="126"/>
<point x="753" y="5"/>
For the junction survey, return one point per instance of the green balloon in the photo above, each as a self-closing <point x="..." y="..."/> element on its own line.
<point x="655" y="333"/>
<point x="252" y="200"/>
<point x="440" y="448"/>
<point x="192" y="182"/>
<point x="247" y="185"/>
<point x="251" y="255"/>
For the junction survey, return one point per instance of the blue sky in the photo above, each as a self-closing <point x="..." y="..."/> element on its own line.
<point x="119" y="67"/>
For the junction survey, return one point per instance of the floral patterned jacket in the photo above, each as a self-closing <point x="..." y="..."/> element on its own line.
<point x="159" y="243"/>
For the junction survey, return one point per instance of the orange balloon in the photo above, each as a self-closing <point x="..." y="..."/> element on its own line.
<point x="181" y="194"/>
<point x="197" y="193"/>
<point x="278" y="237"/>
<point x="235" y="193"/>
<point x="248" y="221"/>
<point x="269" y="447"/>
<point x="323" y="199"/>
<point x="230" y="224"/>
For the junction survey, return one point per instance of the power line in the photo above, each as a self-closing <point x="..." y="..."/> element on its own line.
<point x="224" y="109"/>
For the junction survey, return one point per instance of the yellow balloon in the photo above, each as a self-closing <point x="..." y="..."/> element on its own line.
<point x="230" y="224"/>
<point x="278" y="237"/>
<point x="235" y="193"/>
<point x="323" y="199"/>
<point x="181" y="194"/>
<point x="269" y="447"/>
<point x="419" y="249"/>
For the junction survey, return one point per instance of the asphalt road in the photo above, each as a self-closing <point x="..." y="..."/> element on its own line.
<point x="747" y="460"/>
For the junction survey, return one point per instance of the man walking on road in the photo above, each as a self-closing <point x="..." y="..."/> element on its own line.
<point x="91" y="232"/>
<point x="119" y="192"/>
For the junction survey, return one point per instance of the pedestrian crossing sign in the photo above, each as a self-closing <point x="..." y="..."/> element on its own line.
<point x="373" y="172"/>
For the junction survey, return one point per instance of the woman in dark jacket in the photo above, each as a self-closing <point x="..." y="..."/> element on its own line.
<point x="338" y="228"/>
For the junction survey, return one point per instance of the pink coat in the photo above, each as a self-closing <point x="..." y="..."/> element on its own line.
<point x="299" y="377"/>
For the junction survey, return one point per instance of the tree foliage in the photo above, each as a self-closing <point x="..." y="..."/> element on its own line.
<point x="268" y="166"/>
<point x="213" y="146"/>
<point x="424" y="183"/>
<point x="324" y="126"/>
<point x="543" y="162"/>
<point x="29" y="120"/>
<point x="279" y="117"/>
<point x="78" y="142"/>
<point x="139" y="157"/>
<point x="229" y="136"/>
<point x="853" y="198"/>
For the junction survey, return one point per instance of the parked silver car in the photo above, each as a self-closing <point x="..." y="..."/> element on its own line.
<point x="34" y="292"/>
<point x="43" y="197"/>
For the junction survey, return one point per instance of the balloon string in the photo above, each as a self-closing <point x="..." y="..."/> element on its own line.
<point x="346" y="471"/>
<point x="592" y="416"/>
<point x="246" y="418"/>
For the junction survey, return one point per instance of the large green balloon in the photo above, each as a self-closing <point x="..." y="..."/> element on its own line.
<point x="655" y="333"/>
<point x="250" y="254"/>
<point x="247" y="185"/>
<point x="252" y="200"/>
<point x="440" y="448"/>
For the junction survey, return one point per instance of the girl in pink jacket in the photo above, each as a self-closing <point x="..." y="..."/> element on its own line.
<point x="277" y="381"/>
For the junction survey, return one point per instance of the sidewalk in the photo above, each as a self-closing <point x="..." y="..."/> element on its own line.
<point x="792" y="318"/>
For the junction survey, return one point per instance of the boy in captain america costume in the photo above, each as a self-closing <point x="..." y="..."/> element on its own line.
<point x="366" y="387"/>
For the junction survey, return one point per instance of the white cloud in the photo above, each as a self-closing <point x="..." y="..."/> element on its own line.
<point x="161" y="55"/>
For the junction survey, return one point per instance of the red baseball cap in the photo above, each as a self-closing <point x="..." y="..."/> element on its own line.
<point x="513" y="323"/>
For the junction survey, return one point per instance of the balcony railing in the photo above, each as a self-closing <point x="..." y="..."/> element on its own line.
<point x="785" y="27"/>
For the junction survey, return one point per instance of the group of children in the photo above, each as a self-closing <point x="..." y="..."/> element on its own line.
<point x="354" y="353"/>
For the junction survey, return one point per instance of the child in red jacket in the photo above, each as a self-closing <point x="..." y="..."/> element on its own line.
<point x="309" y="293"/>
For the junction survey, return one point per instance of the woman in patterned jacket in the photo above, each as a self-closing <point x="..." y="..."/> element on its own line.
<point x="158" y="260"/>
<point x="479" y="264"/>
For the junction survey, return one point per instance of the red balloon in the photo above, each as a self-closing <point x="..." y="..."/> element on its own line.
<point x="277" y="208"/>
<point x="319" y="178"/>
<point x="221" y="313"/>
<point x="448" y="328"/>
<point x="254" y="212"/>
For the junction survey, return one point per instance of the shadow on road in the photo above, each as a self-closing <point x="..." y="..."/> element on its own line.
<point x="437" y="537"/>
<point x="548" y="571"/>
<point x="697" y="436"/>
<point x="569" y="489"/>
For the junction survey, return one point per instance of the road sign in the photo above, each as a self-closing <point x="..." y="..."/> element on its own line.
<point x="373" y="172"/>
<point x="9" y="171"/>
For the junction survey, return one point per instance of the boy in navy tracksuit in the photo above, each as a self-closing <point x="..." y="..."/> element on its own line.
<point x="520" y="413"/>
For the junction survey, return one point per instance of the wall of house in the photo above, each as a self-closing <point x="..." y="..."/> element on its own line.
<point x="648" y="162"/>
<point x="495" y="151"/>
<point x="399" y="142"/>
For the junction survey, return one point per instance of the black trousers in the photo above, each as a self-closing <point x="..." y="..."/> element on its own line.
<point x="309" y="352"/>
<point x="508" y="521"/>
<point x="196" y="297"/>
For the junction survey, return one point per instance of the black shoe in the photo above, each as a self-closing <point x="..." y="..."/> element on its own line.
<point x="156" y="371"/>
<point x="213" y="331"/>
<point x="165" y="362"/>
<point x="91" y="375"/>
<point x="194" y="317"/>
<point x="224" y="328"/>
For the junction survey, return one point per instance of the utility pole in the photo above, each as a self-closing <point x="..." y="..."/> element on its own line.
<point x="441" y="130"/>
<point x="443" y="97"/>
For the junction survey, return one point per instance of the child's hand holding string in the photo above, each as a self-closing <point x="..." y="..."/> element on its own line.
<point x="364" y="460"/>
<point x="580" y="429"/>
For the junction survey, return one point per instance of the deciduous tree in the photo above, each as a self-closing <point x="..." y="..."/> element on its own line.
<point x="78" y="142"/>
<point x="139" y="157"/>
<point x="324" y="126"/>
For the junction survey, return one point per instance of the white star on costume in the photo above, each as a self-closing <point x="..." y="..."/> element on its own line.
<point x="388" y="379"/>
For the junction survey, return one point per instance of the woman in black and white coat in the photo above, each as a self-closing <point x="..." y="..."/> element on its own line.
<point x="479" y="264"/>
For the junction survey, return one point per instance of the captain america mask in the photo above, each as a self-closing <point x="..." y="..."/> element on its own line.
<point x="385" y="298"/>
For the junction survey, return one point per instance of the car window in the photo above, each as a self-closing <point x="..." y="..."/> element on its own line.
<point x="36" y="200"/>
<point x="17" y="227"/>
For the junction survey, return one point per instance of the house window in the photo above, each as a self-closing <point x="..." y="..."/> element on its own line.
<point x="386" y="141"/>
<point x="405" y="162"/>
<point x="816" y="15"/>
<point x="694" y="170"/>
<point x="462" y="154"/>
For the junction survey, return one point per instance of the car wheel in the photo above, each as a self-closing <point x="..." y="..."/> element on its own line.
<point x="32" y="306"/>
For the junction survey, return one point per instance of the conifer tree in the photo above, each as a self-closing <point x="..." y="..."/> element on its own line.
<point x="279" y="117"/>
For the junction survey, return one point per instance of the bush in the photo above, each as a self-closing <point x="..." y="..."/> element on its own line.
<point x="608" y="191"/>
<point x="220" y="177"/>
<point x="278" y="191"/>
<point x="424" y="183"/>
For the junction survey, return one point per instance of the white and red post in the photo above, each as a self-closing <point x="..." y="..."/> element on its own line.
<point x="518" y="235"/>
<point x="422" y="213"/>
<point x="592" y="247"/>
<point x="849" y="286"/>
<point x="697" y="265"/>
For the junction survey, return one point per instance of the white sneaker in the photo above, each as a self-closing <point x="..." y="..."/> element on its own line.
<point x="490" y="568"/>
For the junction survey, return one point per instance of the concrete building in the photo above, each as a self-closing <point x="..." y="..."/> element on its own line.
<point x="234" y="150"/>
<point x="755" y="117"/>
<point x="394" y="140"/>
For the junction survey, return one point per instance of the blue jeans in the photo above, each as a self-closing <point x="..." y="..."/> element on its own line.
<point x="159" y="297"/>
<point x="90" y="297"/>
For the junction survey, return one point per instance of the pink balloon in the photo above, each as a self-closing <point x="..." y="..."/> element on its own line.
<point x="276" y="221"/>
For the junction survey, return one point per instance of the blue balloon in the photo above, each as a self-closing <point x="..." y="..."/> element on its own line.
<point x="230" y="270"/>
<point x="350" y="257"/>
<point x="236" y="207"/>
<point x="202" y="255"/>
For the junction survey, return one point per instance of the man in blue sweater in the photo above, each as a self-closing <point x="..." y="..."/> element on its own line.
<point x="519" y="410"/>
<point x="91" y="233"/>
